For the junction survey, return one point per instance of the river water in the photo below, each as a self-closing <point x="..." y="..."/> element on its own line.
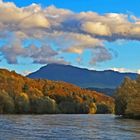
<point x="68" y="127"/>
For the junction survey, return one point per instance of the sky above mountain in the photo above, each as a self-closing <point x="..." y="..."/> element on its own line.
<point x="96" y="34"/>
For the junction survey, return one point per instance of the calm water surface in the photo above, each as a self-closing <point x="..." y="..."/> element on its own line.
<point x="68" y="127"/>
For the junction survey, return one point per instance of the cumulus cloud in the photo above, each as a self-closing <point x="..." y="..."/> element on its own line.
<point x="96" y="28"/>
<point x="12" y="51"/>
<point x="43" y="55"/>
<point x="14" y="18"/>
<point x="100" y="55"/>
<point x="80" y="42"/>
<point x="70" y="32"/>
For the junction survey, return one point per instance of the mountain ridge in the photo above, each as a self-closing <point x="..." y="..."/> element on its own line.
<point x="86" y="69"/>
<point x="81" y="76"/>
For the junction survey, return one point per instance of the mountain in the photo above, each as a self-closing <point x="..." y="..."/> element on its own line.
<point x="19" y="94"/>
<point x="81" y="77"/>
<point x="106" y="91"/>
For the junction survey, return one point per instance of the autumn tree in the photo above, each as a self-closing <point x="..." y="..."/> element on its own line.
<point x="127" y="98"/>
<point x="19" y="94"/>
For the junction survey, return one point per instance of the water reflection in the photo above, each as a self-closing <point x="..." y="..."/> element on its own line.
<point x="68" y="127"/>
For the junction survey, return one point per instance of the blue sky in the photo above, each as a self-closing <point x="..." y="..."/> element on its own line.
<point x="121" y="53"/>
<point x="100" y="6"/>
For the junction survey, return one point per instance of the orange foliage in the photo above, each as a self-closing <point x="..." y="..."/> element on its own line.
<point x="14" y="84"/>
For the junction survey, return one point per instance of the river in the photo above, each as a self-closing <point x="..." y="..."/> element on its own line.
<point x="68" y="127"/>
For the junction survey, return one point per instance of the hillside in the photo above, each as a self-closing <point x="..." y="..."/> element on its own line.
<point x="81" y="77"/>
<point x="19" y="94"/>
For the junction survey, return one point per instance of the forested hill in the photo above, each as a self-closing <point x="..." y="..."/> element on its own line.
<point x="82" y="77"/>
<point x="19" y="94"/>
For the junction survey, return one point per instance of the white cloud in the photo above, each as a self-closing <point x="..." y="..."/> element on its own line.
<point x="70" y="32"/>
<point x="124" y="70"/>
<point x="100" y="55"/>
<point x="54" y="19"/>
<point x="25" y="73"/>
<point x="96" y="28"/>
<point x="43" y="55"/>
<point x="15" y="19"/>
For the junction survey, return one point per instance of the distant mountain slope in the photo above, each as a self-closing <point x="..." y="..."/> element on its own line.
<point x="106" y="91"/>
<point x="82" y="77"/>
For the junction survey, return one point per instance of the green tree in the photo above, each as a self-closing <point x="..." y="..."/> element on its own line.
<point x="68" y="107"/>
<point x="44" y="105"/>
<point x="22" y="103"/>
<point x="6" y="103"/>
<point x="103" y="108"/>
<point x="25" y="88"/>
<point x="121" y="97"/>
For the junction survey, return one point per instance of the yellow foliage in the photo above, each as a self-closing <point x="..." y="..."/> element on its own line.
<point x="28" y="93"/>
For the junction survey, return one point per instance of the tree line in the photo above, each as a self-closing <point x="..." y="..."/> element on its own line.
<point x="22" y="95"/>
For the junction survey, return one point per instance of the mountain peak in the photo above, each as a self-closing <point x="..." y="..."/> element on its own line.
<point x="80" y="76"/>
